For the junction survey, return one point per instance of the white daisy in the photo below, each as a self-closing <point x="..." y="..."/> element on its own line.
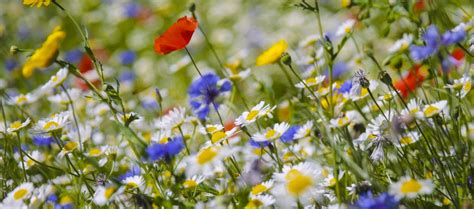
<point x="193" y="181"/>
<point x="304" y="131"/>
<point x="20" y="193"/>
<point x="301" y="182"/>
<point x="260" y="201"/>
<point x="175" y="118"/>
<point x="411" y="188"/>
<point x="401" y="44"/>
<point x="262" y="187"/>
<point x="105" y="194"/>
<point x="134" y="182"/>
<point x="345" y="28"/>
<point x="62" y="97"/>
<point x="53" y="123"/>
<point x="207" y="161"/>
<point x="210" y="128"/>
<point x="435" y="108"/>
<point x="18" y="125"/>
<point x="312" y="81"/>
<point x="408" y="138"/>
<point x="271" y="134"/>
<point x="23" y="99"/>
<point x="258" y="111"/>
<point x="220" y="136"/>
<point x="462" y="86"/>
<point x="414" y="109"/>
<point x="56" y="79"/>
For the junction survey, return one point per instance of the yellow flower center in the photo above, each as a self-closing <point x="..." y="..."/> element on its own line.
<point x="109" y="192"/>
<point x="21" y="99"/>
<point x="431" y="110"/>
<point x="50" y="125"/>
<point x="54" y="78"/>
<point x="16" y="125"/>
<point x="218" y="136"/>
<point x="406" y="140"/>
<point x="254" y="204"/>
<point x="163" y="140"/>
<point x="404" y="46"/>
<point x="467" y="86"/>
<point x="189" y="183"/>
<point x="410" y="186"/>
<point x="311" y="81"/>
<point x="252" y="115"/>
<point x="131" y="185"/>
<point x="297" y="182"/>
<point x="206" y="155"/>
<point x="270" y="134"/>
<point x="70" y="146"/>
<point x="211" y="129"/>
<point x="65" y="200"/>
<point x="95" y="151"/>
<point x="19" y="194"/>
<point x="259" y="188"/>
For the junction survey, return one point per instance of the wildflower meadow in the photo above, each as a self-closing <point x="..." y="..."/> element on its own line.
<point x="334" y="104"/>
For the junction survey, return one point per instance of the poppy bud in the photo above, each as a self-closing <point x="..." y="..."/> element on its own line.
<point x="286" y="59"/>
<point x="192" y="8"/>
<point x="385" y="78"/>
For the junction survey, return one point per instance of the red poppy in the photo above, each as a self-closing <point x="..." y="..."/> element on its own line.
<point x="458" y="54"/>
<point x="411" y="81"/>
<point x="419" y="6"/>
<point x="177" y="36"/>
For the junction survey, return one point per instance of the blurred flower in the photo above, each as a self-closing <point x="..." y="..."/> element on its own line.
<point x="368" y="201"/>
<point x="166" y="148"/>
<point x="220" y="136"/>
<point x="204" y="91"/>
<point x="462" y="86"/>
<point x="55" y="122"/>
<point x="10" y="64"/>
<point x="412" y="80"/>
<point x="313" y="81"/>
<point x="45" y="55"/>
<point x="411" y="188"/>
<point x="42" y="140"/>
<point x="18" y="125"/>
<point x="73" y="56"/>
<point x="289" y="134"/>
<point x="104" y="195"/>
<point x="402" y="44"/>
<point x="260" y="201"/>
<point x="20" y="193"/>
<point x="432" y="40"/>
<point x="346" y="27"/>
<point x="127" y="57"/>
<point x="435" y="108"/>
<point x="37" y="3"/>
<point x="193" y="181"/>
<point x="454" y="36"/>
<point x="177" y="36"/>
<point x="272" y="54"/>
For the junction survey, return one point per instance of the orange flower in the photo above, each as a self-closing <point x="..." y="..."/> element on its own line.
<point x="177" y="36"/>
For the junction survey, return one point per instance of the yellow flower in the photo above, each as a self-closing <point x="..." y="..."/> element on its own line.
<point x="44" y="56"/>
<point x="272" y="54"/>
<point x="37" y="3"/>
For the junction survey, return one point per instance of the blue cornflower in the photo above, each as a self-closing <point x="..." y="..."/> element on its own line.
<point x="127" y="76"/>
<point x="259" y="144"/>
<point x="345" y="87"/>
<point x="132" y="10"/>
<point x="368" y="201"/>
<point x="432" y="40"/>
<point x="10" y="64"/>
<point x="453" y="36"/>
<point x="135" y="170"/>
<point x="73" y="56"/>
<point x="43" y="140"/>
<point x="204" y="92"/>
<point x="127" y="57"/>
<point x="338" y="69"/>
<point x="448" y="63"/>
<point x="167" y="150"/>
<point x="289" y="134"/>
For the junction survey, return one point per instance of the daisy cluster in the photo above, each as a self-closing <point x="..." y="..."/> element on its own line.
<point x="237" y="104"/>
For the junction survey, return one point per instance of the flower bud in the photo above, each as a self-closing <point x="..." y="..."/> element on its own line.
<point x="286" y="59"/>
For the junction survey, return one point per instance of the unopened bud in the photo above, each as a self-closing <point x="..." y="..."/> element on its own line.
<point x="385" y="78"/>
<point x="14" y="49"/>
<point x="286" y="59"/>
